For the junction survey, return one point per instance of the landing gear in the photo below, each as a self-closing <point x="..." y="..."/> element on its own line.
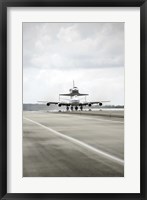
<point x="89" y="107"/>
<point x="71" y="108"/>
<point x="76" y="108"/>
<point x="67" y="108"/>
<point x="81" y="108"/>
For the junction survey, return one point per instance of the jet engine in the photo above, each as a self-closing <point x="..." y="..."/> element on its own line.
<point x="76" y="108"/>
<point x="59" y="104"/>
<point x="100" y="104"/>
<point x="89" y="104"/>
<point x="48" y="104"/>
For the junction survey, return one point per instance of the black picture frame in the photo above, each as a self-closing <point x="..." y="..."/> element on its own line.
<point x="4" y="4"/>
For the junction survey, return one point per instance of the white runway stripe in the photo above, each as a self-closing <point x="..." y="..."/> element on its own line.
<point x="82" y="144"/>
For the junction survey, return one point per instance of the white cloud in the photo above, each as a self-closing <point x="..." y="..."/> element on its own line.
<point x="99" y="84"/>
<point x="68" y="34"/>
<point x="92" y="54"/>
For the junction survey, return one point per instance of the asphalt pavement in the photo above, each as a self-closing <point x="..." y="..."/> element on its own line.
<point x="69" y="145"/>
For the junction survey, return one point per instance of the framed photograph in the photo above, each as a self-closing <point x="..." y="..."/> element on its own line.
<point x="73" y="95"/>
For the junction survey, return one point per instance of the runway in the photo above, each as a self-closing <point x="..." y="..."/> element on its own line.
<point x="72" y="145"/>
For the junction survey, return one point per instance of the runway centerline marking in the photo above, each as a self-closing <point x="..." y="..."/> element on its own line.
<point x="98" y="151"/>
<point x="81" y="117"/>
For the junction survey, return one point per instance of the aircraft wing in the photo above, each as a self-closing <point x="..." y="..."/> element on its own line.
<point x="82" y="94"/>
<point x="94" y="102"/>
<point x="48" y="102"/>
<point x="64" y="104"/>
<point x="73" y="94"/>
<point x="52" y="103"/>
<point x="43" y="102"/>
<point x="66" y="94"/>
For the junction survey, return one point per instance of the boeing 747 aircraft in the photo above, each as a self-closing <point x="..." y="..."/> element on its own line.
<point x="74" y="102"/>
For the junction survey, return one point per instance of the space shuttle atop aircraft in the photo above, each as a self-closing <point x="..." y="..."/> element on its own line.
<point x="74" y="102"/>
<point x="73" y="92"/>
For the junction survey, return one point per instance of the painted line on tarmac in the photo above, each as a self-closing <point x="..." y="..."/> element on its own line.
<point x="85" y="117"/>
<point x="82" y="144"/>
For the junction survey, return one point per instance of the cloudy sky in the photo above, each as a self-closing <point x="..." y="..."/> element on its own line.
<point x="91" y="54"/>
